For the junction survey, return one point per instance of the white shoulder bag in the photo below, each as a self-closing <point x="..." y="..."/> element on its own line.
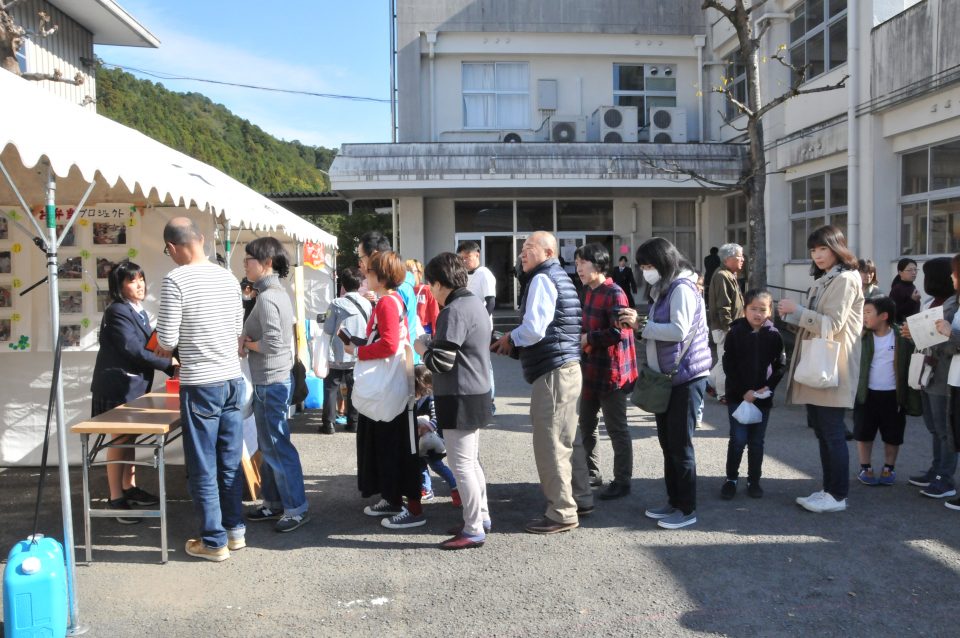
<point x="819" y="360"/>
<point x="382" y="388"/>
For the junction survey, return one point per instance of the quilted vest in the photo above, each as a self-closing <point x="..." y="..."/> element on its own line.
<point x="561" y="343"/>
<point x="697" y="359"/>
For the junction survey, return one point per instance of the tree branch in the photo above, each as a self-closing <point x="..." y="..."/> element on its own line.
<point x="730" y="123"/>
<point x="794" y="91"/>
<point x="44" y="21"/>
<point x="674" y="168"/>
<point x="737" y="103"/>
<point x="756" y="5"/>
<point x="56" y="76"/>
<point x="6" y="5"/>
<point x="729" y="14"/>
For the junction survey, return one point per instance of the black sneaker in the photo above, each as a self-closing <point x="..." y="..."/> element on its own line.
<point x="953" y="503"/>
<point x="596" y="480"/>
<point x="264" y="514"/>
<point x="350" y="427"/>
<point x="614" y="490"/>
<point x="921" y="480"/>
<point x="754" y="490"/>
<point x="140" y="498"/>
<point x="327" y="428"/>
<point x="121" y="504"/>
<point x="728" y="490"/>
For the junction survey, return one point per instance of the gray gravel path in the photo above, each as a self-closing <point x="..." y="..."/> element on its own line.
<point x="888" y="566"/>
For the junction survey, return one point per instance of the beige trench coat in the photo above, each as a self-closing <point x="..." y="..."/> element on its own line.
<point x="838" y="295"/>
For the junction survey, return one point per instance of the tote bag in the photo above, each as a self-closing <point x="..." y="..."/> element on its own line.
<point x="819" y="360"/>
<point x="919" y="375"/>
<point x="382" y="388"/>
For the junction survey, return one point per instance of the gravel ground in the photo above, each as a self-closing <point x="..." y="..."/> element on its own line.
<point x="887" y="566"/>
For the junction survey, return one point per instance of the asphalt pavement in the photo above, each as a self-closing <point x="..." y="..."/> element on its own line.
<point x="888" y="566"/>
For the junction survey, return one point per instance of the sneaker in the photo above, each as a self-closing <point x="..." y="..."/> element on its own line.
<point x="426" y="495"/>
<point x="677" y="520"/>
<point x="867" y="477"/>
<point x="938" y="488"/>
<point x="548" y="526"/>
<point x="195" y="547"/>
<point x="754" y="490"/>
<point x="887" y="477"/>
<point x="921" y="480"/>
<point x="122" y="504"/>
<point x="661" y="512"/>
<point x="825" y="504"/>
<point x="403" y="520"/>
<point x="596" y="480"/>
<point x="461" y="541"/>
<point x="728" y="490"/>
<point x="953" y="503"/>
<point x="803" y="501"/>
<point x="327" y="428"/>
<point x="585" y="510"/>
<point x="140" y="498"/>
<point x="455" y="498"/>
<point x="264" y="514"/>
<point x="233" y="544"/>
<point x="614" y="490"/>
<point x="341" y="420"/>
<point x="382" y="508"/>
<point x="290" y="523"/>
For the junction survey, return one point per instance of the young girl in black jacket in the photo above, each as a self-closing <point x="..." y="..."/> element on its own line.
<point x="754" y="362"/>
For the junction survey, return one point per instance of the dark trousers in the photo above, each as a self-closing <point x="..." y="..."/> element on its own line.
<point x="746" y="436"/>
<point x="831" y="432"/>
<point x="331" y="392"/>
<point x="675" y="431"/>
<point x="614" y="408"/>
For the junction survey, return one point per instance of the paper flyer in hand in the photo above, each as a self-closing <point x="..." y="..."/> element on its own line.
<point x="923" y="327"/>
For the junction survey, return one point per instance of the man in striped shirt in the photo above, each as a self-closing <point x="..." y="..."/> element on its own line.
<point x="201" y="313"/>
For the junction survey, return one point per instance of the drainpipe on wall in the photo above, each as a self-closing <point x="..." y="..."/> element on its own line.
<point x="853" y="132"/>
<point x="700" y="233"/>
<point x="393" y="69"/>
<point x="699" y="41"/>
<point x="432" y="48"/>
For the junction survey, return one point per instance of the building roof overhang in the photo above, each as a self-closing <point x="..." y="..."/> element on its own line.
<point x="108" y="22"/>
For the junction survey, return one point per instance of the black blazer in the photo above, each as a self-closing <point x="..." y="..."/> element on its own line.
<point x="124" y="368"/>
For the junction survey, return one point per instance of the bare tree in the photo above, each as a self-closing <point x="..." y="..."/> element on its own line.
<point x="12" y="36"/>
<point x="753" y="180"/>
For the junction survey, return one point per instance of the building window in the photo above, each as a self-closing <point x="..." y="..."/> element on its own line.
<point x="735" y="75"/>
<point x="645" y="87"/>
<point x="591" y="215"/>
<point x="816" y="201"/>
<point x="930" y="200"/>
<point x="737" y="226"/>
<point x="496" y="95"/>
<point x="818" y="35"/>
<point x="676" y="221"/>
<point x="22" y="56"/>
<point x="491" y="217"/>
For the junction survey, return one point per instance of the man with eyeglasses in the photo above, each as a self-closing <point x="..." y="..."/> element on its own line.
<point x="201" y="314"/>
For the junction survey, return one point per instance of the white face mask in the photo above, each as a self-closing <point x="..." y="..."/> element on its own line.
<point x="651" y="276"/>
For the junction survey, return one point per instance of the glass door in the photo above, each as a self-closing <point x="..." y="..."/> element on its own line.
<point x="499" y="257"/>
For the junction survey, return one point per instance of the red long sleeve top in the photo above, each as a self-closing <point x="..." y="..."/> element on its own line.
<point x="427" y="308"/>
<point x="390" y="327"/>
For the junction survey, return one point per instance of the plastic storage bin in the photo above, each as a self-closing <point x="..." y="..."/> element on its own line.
<point x="35" y="590"/>
<point x="314" y="398"/>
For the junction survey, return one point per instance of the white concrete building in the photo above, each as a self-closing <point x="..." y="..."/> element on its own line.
<point x="475" y="75"/>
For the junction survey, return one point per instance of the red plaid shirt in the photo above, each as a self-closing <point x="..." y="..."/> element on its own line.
<point x="609" y="361"/>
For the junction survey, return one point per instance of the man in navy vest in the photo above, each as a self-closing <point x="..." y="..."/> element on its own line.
<point x="548" y="344"/>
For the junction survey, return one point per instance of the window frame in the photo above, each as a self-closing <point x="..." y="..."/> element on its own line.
<point x="927" y="199"/>
<point x="643" y="123"/>
<point x="821" y="29"/>
<point x="827" y="213"/>
<point x="495" y="92"/>
<point x="670" y="232"/>
<point x="737" y="78"/>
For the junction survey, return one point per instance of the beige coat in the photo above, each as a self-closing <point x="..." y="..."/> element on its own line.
<point x="838" y="295"/>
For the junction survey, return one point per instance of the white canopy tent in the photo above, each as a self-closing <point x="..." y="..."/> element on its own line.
<point x="52" y="155"/>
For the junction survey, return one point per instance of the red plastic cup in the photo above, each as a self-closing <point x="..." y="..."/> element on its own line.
<point x="173" y="386"/>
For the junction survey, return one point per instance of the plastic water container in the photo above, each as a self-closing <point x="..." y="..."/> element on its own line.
<point x="314" y="398"/>
<point x="35" y="590"/>
<point x="173" y="386"/>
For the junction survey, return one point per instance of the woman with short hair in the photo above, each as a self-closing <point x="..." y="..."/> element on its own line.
<point x="458" y="355"/>
<point x="836" y="298"/>
<point x="388" y="462"/>
<point x="903" y="291"/>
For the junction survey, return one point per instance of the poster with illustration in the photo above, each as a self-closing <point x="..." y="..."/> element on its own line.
<point x="109" y="234"/>
<point x="70" y="239"/>
<point x="71" y="335"/>
<point x="4" y="230"/>
<point x="103" y="300"/>
<point x="104" y="266"/>
<point x="6" y="297"/>
<point x="6" y="262"/>
<point x="71" y="302"/>
<point x="72" y="268"/>
<point x="5" y="330"/>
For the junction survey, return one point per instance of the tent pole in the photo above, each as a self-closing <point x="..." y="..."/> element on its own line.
<point x="23" y="204"/>
<point x="73" y="627"/>
<point x="227" y="247"/>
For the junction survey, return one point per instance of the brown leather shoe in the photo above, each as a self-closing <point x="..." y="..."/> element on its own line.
<point x="547" y="526"/>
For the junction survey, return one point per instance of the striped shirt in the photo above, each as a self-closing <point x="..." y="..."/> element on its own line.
<point x="201" y="313"/>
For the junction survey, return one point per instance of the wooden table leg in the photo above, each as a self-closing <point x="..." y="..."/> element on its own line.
<point x="161" y="472"/>
<point x="85" y="450"/>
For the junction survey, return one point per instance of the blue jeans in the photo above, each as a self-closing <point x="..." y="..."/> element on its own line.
<point x="944" y="463"/>
<point x="831" y="432"/>
<point x="675" y="432"/>
<point x="441" y="469"/>
<point x="281" y="475"/>
<point x="213" y="446"/>
<point x="746" y="436"/>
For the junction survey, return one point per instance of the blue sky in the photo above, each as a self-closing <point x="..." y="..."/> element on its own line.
<point x="326" y="46"/>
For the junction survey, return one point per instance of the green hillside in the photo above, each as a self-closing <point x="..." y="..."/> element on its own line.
<point x="209" y="132"/>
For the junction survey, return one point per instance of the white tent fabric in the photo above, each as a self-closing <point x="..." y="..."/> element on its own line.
<point x="39" y="126"/>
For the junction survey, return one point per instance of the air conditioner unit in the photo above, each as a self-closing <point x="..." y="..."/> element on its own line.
<point x="668" y="125"/>
<point x="613" y="125"/>
<point x="567" y="128"/>
<point x="515" y="136"/>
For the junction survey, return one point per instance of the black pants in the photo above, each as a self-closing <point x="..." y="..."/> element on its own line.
<point x="331" y="392"/>
<point x="675" y="431"/>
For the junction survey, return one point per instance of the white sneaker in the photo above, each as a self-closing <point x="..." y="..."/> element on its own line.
<point x="802" y="501"/>
<point x="825" y="504"/>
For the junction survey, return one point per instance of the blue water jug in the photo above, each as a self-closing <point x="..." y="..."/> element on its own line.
<point x="35" y="590"/>
<point x="314" y="400"/>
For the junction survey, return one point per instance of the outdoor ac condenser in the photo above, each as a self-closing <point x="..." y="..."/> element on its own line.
<point x="567" y="128"/>
<point x="668" y="125"/>
<point x="613" y="125"/>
